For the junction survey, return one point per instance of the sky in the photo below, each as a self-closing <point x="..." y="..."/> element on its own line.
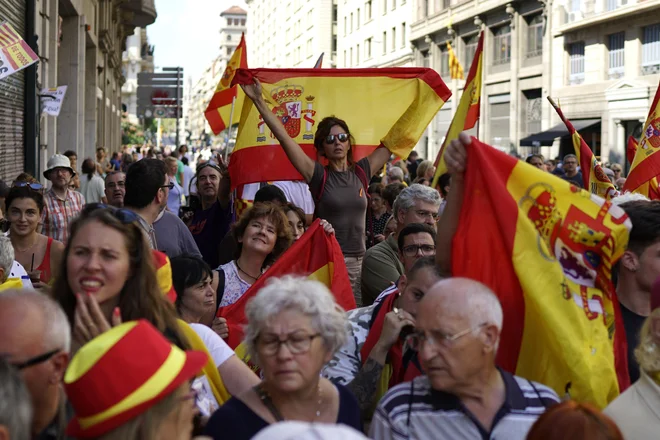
<point x="187" y="33"/>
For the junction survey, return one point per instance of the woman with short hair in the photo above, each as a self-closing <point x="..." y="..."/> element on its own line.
<point x="294" y="328"/>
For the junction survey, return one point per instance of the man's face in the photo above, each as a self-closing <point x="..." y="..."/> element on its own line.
<point x="164" y="192"/>
<point x="617" y="172"/>
<point x="60" y="177"/>
<point x="413" y="289"/>
<point x="416" y="246"/>
<point x="570" y="165"/>
<point x="648" y="269"/>
<point x="208" y="182"/>
<point x="421" y="212"/>
<point x="115" y="189"/>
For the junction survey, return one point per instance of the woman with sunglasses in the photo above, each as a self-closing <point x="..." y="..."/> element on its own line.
<point x="38" y="254"/>
<point x="340" y="189"/>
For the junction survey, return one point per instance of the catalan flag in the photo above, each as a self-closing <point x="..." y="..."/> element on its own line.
<point x="594" y="178"/>
<point x="218" y="111"/>
<point x="315" y="255"/>
<point x="551" y="248"/>
<point x="467" y="114"/>
<point x="455" y="68"/>
<point x="389" y="105"/>
<point x="649" y="189"/>
<point x="646" y="165"/>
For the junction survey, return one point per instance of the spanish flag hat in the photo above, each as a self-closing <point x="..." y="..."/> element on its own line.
<point x="121" y="374"/>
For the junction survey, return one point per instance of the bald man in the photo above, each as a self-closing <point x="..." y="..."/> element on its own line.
<point x="36" y="340"/>
<point x="463" y="395"/>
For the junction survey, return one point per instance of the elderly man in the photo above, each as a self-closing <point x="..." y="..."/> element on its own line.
<point x="381" y="266"/>
<point x="463" y="395"/>
<point x="571" y="173"/>
<point x="115" y="188"/>
<point x="375" y="338"/>
<point x="395" y="175"/>
<point x="15" y="405"/>
<point x="61" y="204"/>
<point x="36" y="340"/>
<point x="8" y="280"/>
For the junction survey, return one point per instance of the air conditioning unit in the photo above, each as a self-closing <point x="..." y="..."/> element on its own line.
<point x="575" y="16"/>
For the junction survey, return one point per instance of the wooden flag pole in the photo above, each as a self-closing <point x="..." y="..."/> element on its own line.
<point x="231" y="121"/>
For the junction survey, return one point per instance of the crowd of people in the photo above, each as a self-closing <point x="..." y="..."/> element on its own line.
<point x="103" y="337"/>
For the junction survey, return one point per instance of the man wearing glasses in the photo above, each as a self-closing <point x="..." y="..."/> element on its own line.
<point x="115" y="188"/>
<point x="36" y="340"/>
<point x="381" y="266"/>
<point x="463" y="394"/>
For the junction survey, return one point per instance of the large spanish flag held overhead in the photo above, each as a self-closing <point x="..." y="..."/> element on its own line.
<point x="218" y="112"/>
<point x="551" y="248"/>
<point x="467" y="113"/>
<point x="315" y="255"/>
<point x="649" y="189"/>
<point x="646" y="165"/>
<point x="594" y="178"/>
<point x="392" y="106"/>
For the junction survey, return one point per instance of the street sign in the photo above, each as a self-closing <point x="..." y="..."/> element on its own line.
<point x="158" y="95"/>
<point x="158" y="112"/>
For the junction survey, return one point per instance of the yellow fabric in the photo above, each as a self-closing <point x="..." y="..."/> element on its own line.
<point x="599" y="183"/>
<point x="164" y="277"/>
<point x="649" y="143"/>
<point x="384" y="381"/>
<point x="210" y="370"/>
<point x="11" y="283"/>
<point x="569" y="322"/>
<point x="227" y="76"/>
<point x="455" y="68"/>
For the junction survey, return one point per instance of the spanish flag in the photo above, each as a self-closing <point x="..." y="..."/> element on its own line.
<point x="467" y="113"/>
<point x="631" y="149"/>
<point x="164" y="275"/>
<point x="646" y="165"/>
<point x="455" y="68"/>
<point x="315" y="255"/>
<point x="593" y="176"/>
<point x="397" y="103"/>
<point x="649" y="189"/>
<point x="551" y="248"/>
<point x="219" y="109"/>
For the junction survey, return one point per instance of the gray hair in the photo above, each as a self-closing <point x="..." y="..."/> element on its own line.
<point x="15" y="404"/>
<point x="396" y="172"/>
<point x="6" y="256"/>
<point x="628" y="197"/>
<point x="406" y="199"/>
<point x="311" y="298"/>
<point x="570" y="156"/>
<point x="57" y="330"/>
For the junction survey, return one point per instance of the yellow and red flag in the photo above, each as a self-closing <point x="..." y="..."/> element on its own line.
<point x="631" y="149"/>
<point x="15" y="53"/>
<point x="218" y="111"/>
<point x="397" y="103"/>
<point x="551" y="248"/>
<point x="467" y="113"/>
<point x="594" y="178"/>
<point x="649" y="189"/>
<point x="316" y="255"/>
<point x="646" y="165"/>
<point x="164" y="275"/>
<point x="455" y="68"/>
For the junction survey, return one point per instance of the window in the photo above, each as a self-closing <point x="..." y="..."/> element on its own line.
<point x="384" y="7"/>
<point x="499" y="111"/>
<point x="426" y="59"/>
<point x="345" y="25"/>
<point x="422" y="9"/>
<point x="615" y="43"/>
<point x="309" y="48"/>
<point x="393" y="39"/>
<point x="230" y="21"/>
<point x="367" y="48"/>
<point x="576" y="63"/>
<point x="228" y="37"/>
<point x="357" y="55"/>
<point x="229" y="51"/>
<point x="532" y="108"/>
<point x="502" y="46"/>
<point x="345" y="63"/>
<point x="243" y="22"/>
<point x="444" y="62"/>
<point x="651" y="49"/>
<point x="351" y="22"/>
<point x="351" y="53"/>
<point x="357" y="17"/>
<point x="384" y="42"/>
<point x="470" y="49"/>
<point x="535" y="37"/>
<point x="403" y="34"/>
<point x="367" y="10"/>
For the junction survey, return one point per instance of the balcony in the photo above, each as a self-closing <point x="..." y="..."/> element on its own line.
<point x="143" y="12"/>
<point x="580" y="14"/>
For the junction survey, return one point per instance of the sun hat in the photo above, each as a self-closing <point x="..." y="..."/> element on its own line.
<point x="121" y="374"/>
<point x="58" y="161"/>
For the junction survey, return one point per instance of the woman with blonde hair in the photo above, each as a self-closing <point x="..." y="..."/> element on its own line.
<point x="425" y="170"/>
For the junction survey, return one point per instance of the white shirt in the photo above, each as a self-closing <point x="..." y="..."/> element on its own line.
<point x="188" y="174"/>
<point x="217" y="347"/>
<point x="93" y="190"/>
<point x="297" y="192"/>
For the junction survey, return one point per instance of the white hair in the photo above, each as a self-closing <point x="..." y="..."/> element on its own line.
<point x="396" y="172"/>
<point x="6" y="256"/>
<point x="484" y="308"/>
<point x="15" y="404"/>
<point x="311" y="298"/>
<point x="406" y="198"/>
<point x="57" y="330"/>
<point x="628" y="197"/>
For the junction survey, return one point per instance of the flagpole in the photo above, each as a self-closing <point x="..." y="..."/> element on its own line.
<point x="231" y="121"/>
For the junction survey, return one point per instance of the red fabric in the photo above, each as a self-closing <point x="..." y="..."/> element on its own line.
<point x="648" y="168"/>
<point x="310" y="253"/>
<point x="631" y="149"/>
<point x="473" y="112"/>
<point x="44" y="267"/>
<point x="395" y="355"/>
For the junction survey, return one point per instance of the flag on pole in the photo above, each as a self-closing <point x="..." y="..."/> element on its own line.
<point x="467" y="114"/>
<point x="15" y="53"/>
<point x="218" y="111"/>
<point x="397" y="103"/>
<point x="649" y="189"/>
<point x="551" y="248"/>
<point x="315" y="255"/>
<point x="594" y="178"/>
<point x="319" y="62"/>
<point x="455" y="68"/>
<point x="646" y="165"/>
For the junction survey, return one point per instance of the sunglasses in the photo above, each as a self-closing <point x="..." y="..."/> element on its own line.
<point x="36" y="360"/>
<point x="330" y="139"/>
<point x="169" y="185"/>
<point x="33" y="186"/>
<point x="123" y="215"/>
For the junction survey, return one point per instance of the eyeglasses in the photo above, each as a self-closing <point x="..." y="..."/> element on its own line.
<point x="36" y="360"/>
<point x="427" y="214"/>
<point x="437" y="337"/>
<point x="33" y="186"/>
<point x="616" y="170"/>
<point x="296" y="344"/>
<point x="112" y="185"/>
<point x="125" y="216"/>
<point x="330" y="139"/>
<point x="424" y="249"/>
<point x="169" y="185"/>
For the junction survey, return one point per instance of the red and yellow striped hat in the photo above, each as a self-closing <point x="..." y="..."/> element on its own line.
<point x="122" y="373"/>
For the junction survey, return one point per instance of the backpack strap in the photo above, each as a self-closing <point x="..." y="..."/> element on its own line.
<point x="318" y="196"/>
<point x="220" y="291"/>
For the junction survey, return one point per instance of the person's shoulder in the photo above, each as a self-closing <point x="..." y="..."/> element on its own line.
<point x="416" y="392"/>
<point x="230" y="413"/>
<point x="536" y="394"/>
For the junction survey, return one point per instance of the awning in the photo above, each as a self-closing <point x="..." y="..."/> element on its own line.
<point x="546" y="138"/>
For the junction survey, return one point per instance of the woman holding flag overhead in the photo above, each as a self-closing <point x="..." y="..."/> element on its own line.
<point x="339" y="189"/>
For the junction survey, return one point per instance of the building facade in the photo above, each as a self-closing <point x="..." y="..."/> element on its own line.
<point x="138" y="57"/>
<point x="292" y="33"/>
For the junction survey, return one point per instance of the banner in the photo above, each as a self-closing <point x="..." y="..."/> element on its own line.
<point x="15" y="54"/>
<point x="51" y="100"/>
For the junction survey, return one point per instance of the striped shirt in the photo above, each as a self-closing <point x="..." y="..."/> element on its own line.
<point x="413" y="410"/>
<point x="59" y="213"/>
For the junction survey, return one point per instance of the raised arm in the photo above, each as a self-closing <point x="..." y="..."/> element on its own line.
<point x="378" y="158"/>
<point x="294" y="152"/>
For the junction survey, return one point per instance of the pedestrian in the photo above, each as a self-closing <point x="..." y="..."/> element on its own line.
<point x="92" y="186"/>
<point x="62" y="205"/>
<point x="176" y="191"/>
<point x="115" y="188"/>
<point x="571" y="172"/>
<point x="73" y="158"/>
<point x="377" y="216"/>
<point x="188" y="175"/>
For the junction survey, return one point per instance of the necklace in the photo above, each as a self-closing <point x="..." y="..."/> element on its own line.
<point x="265" y="398"/>
<point x="29" y="247"/>
<point x="239" y="268"/>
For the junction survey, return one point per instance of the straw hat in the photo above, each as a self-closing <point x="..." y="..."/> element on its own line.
<point x="58" y="161"/>
<point x="121" y="374"/>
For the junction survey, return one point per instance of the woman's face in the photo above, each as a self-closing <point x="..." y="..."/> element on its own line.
<point x="98" y="261"/>
<point x="172" y="168"/>
<point x="24" y="216"/>
<point x="285" y="369"/>
<point x="297" y="225"/>
<point x="337" y="149"/>
<point x="178" y="424"/>
<point x="377" y="202"/>
<point x="199" y="299"/>
<point x="430" y="172"/>
<point x="260" y="236"/>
